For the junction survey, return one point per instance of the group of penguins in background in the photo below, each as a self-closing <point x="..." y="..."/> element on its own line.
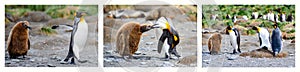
<point x="18" y="42"/>
<point x="271" y="16"/>
<point x="265" y="40"/>
<point x="129" y="34"/>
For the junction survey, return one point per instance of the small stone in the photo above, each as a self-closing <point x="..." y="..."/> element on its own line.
<point x="32" y="60"/>
<point x="7" y="62"/>
<point x="41" y="65"/>
<point x="137" y="53"/>
<point x="51" y="65"/>
<point x="109" y="52"/>
<point x="15" y="60"/>
<point x="149" y="43"/>
<point x="167" y="64"/>
<point x="194" y="30"/>
<point x="107" y="60"/>
<point x="143" y="63"/>
<point x="232" y="57"/>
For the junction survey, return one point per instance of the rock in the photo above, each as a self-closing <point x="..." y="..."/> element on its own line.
<point x="206" y="61"/>
<point x="137" y="53"/>
<point x="232" y="57"/>
<point x="41" y="65"/>
<point x="51" y="65"/>
<point x="149" y="43"/>
<point x="15" y="60"/>
<point x="143" y="63"/>
<point x="164" y="11"/>
<point x="107" y="60"/>
<point x="194" y="30"/>
<point x="7" y="62"/>
<point x="167" y="64"/>
<point x="32" y="60"/>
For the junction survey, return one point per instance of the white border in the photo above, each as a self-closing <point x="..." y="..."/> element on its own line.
<point x="131" y="2"/>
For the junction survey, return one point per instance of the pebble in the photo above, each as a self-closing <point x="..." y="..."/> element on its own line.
<point x="149" y="43"/>
<point x="15" y="60"/>
<point x="32" y="60"/>
<point x="137" y="53"/>
<point x="167" y="64"/>
<point x="7" y="62"/>
<point x="206" y="61"/>
<point x="232" y="57"/>
<point x="194" y="30"/>
<point x="107" y="60"/>
<point x="109" y="51"/>
<point x="143" y="63"/>
<point x="41" y="65"/>
<point x="51" y="65"/>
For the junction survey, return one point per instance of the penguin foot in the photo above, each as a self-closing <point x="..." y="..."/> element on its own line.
<point x="73" y="61"/>
<point x="65" y="61"/>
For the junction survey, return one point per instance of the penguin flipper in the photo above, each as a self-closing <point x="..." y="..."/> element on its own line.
<point x="161" y="42"/>
<point x="28" y="44"/>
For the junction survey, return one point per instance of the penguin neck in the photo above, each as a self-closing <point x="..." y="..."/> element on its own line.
<point x="258" y="29"/>
<point x="81" y="19"/>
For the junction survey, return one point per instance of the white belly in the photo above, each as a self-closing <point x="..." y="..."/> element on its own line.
<point x="80" y="38"/>
<point x="233" y="40"/>
<point x="264" y="35"/>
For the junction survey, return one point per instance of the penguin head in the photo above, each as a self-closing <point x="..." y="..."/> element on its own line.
<point x="256" y="28"/>
<point x="25" y="24"/>
<point x="146" y="27"/>
<point x="80" y="14"/>
<point x="162" y="23"/>
<point x="275" y="25"/>
<point x="228" y="29"/>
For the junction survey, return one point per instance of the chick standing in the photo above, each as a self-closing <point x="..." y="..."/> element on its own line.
<point x="276" y="40"/>
<point x="18" y="42"/>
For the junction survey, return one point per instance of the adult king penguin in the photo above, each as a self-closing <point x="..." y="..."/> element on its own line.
<point x="276" y="40"/>
<point x="234" y="38"/>
<point x="264" y="37"/>
<point x="168" y="32"/>
<point x="78" y="38"/>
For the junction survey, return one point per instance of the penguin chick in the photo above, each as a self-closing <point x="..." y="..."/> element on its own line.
<point x="234" y="38"/>
<point x="214" y="43"/>
<point x="276" y="40"/>
<point x="18" y="42"/>
<point x="78" y="39"/>
<point x="168" y="32"/>
<point x="264" y="37"/>
<point x="128" y="38"/>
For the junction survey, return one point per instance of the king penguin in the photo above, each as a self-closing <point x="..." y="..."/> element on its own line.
<point x="234" y="38"/>
<point x="168" y="32"/>
<point x="276" y="40"/>
<point x="78" y="38"/>
<point x="18" y="42"/>
<point x="264" y="37"/>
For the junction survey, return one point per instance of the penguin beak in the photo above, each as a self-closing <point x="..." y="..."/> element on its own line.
<point x="155" y="26"/>
<point x="29" y="27"/>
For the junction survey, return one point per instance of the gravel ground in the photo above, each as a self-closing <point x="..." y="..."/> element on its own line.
<point x="248" y="43"/>
<point x="49" y="50"/>
<point x="147" y="55"/>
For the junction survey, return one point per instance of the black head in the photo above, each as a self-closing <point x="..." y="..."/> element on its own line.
<point x="25" y="24"/>
<point x="275" y="25"/>
<point x="80" y="14"/>
<point x="146" y="27"/>
<point x="254" y="28"/>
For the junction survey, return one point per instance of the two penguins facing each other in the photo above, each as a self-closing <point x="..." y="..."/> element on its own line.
<point x="129" y="34"/>
<point x="214" y="41"/>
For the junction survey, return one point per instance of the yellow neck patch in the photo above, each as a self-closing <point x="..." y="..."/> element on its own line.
<point x="175" y="38"/>
<point x="168" y="26"/>
<point x="258" y="29"/>
<point x="81" y="19"/>
<point x="230" y="31"/>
